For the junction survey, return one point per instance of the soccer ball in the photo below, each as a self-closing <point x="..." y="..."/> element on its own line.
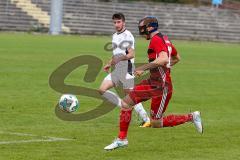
<point x="68" y="103"/>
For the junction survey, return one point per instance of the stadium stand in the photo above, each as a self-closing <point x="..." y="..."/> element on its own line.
<point x="94" y="17"/>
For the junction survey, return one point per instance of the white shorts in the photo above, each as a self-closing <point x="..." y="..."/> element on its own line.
<point x="126" y="80"/>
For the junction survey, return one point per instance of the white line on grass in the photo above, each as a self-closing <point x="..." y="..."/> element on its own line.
<point x="47" y="138"/>
<point x="18" y="134"/>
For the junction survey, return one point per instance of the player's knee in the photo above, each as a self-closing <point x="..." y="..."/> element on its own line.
<point x="125" y="105"/>
<point x="101" y="91"/>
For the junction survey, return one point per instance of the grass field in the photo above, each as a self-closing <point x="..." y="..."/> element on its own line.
<point x="207" y="79"/>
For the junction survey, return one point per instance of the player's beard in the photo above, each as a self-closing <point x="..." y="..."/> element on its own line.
<point x="120" y="29"/>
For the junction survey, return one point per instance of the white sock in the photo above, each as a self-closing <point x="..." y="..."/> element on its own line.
<point x="112" y="97"/>
<point x="141" y="112"/>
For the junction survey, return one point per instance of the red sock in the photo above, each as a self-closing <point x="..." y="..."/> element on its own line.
<point x="125" y="119"/>
<point x="174" y="120"/>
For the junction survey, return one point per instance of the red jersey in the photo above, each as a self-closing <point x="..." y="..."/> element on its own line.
<point x="157" y="44"/>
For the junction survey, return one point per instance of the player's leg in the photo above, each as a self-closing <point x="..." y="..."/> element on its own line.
<point x="158" y="107"/>
<point x="125" y="119"/>
<point x="138" y="94"/>
<point x="128" y="101"/>
<point x="141" y="112"/>
<point x="143" y="115"/>
<point x="112" y="97"/>
<point x="178" y="119"/>
<point x="115" y="99"/>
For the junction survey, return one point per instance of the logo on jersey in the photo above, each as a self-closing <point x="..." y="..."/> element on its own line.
<point x="111" y="46"/>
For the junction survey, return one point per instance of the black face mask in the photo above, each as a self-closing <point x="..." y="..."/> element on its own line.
<point x="143" y="30"/>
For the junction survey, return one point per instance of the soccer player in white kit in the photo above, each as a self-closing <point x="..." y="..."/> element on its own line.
<point x="123" y="61"/>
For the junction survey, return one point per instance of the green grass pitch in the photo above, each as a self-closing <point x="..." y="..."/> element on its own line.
<point x="206" y="79"/>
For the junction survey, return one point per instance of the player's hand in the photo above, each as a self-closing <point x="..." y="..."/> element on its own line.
<point x="106" y="68"/>
<point x="138" y="72"/>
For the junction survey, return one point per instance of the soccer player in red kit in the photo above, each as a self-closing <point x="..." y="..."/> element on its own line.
<point x="158" y="87"/>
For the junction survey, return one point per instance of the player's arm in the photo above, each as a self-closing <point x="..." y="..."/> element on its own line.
<point x="128" y="56"/>
<point x="114" y="60"/>
<point x="107" y="65"/>
<point x="175" y="59"/>
<point x="162" y="60"/>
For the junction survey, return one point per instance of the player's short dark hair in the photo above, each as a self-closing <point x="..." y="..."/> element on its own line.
<point x="118" y="16"/>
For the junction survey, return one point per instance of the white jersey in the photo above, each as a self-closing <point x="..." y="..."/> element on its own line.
<point x="121" y="42"/>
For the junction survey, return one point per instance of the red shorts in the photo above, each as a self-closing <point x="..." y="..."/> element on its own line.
<point x="159" y="94"/>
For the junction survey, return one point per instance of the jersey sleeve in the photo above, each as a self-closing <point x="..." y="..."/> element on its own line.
<point x="171" y="49"/>
<point x="159" y="46"/>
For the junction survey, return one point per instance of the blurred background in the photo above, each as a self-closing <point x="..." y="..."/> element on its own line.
<point x="217" y="20"/>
